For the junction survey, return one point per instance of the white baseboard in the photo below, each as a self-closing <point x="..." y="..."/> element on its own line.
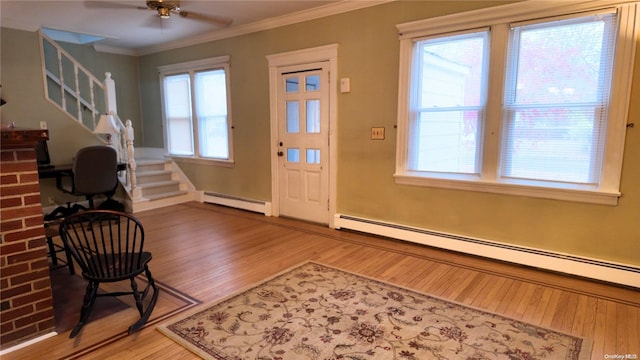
<point x="263" y="207"/>
<point x="569" y="264"/>
<point x="27" y="343"/>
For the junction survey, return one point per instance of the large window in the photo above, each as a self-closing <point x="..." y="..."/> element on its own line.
<point x="197" y="121"/>
<point x="533" y="103"/>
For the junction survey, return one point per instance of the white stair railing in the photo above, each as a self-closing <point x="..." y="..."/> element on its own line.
<point x="83" y="97"/>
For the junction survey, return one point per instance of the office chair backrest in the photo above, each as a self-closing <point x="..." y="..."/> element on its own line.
<point x="95" y="170"/>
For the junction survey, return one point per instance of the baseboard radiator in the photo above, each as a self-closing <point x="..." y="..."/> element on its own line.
<point x="627" y="275"/>
<point x="258" y="206"/>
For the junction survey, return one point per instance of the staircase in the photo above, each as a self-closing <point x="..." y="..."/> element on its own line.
<point x="160" y="183"/>
<point x="148" y="182"/>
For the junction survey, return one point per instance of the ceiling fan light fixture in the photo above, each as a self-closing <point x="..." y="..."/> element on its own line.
<point x="164" y="13"/>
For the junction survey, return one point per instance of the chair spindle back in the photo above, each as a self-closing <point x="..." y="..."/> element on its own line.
<point x="108" y="245"/>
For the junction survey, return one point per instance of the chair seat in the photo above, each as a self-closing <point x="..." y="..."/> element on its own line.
<point x="110" y="267"/>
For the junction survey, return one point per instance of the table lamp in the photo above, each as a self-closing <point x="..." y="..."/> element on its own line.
<point x="106" y="125"/>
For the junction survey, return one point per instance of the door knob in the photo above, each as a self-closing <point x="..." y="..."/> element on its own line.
<point x="280" y="153"/>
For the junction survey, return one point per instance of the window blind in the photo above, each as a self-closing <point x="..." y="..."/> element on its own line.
<point x="556" y="99"/>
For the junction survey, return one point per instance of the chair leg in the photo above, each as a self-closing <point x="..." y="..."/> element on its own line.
<point x="89" y="300"/>
<point x="147" y="313"/>
<point x="67" y="253"/>
<point x="136" y="295"/>
<point x="52" y="251"/>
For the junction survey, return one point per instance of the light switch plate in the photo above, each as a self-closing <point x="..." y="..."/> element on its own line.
<point x="377" y="133"/>
<point x="345" y="85"/>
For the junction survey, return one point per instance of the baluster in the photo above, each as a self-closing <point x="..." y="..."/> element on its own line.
<point x="78" y="95"/>
<point x="63" y="99"/>
<point x="136" y="193"/>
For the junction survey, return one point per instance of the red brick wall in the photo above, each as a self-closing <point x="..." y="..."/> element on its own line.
<point x="26" y="305"/>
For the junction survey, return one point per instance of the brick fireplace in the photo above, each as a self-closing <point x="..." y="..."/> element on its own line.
<point x="26" y="305"/>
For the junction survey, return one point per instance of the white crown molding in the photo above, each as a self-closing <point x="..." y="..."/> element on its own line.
<point x="114" y="50"/>
<point x="297" y="17"/>
<point x="17" y="25"/>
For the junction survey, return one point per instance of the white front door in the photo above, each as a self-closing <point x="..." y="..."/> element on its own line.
<point x="303" y="141"/>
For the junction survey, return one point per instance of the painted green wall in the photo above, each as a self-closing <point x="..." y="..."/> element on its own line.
<point x="368" y="54"/>
<point x="22" y="88"/>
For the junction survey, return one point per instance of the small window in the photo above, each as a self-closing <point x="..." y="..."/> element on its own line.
<point x="196" y="109"/>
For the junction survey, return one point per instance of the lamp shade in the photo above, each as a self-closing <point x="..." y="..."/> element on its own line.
<point x="106" y="125"/>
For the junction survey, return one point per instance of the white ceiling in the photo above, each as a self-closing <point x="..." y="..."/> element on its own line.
<point x="128" y="29"/>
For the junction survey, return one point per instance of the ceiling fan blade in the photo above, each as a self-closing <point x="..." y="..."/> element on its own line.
<point x="220" y="20"/>
<point x="96" y="4"/>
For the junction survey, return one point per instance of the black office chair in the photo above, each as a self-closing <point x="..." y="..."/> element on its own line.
<point x="95" y="172"/>
<point x="108" y="246"/>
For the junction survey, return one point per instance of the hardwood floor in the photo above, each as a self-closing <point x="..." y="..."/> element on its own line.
<point x="209" y="252"/>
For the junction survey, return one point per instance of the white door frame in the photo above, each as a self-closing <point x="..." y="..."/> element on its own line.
<point x="312" y="55"/>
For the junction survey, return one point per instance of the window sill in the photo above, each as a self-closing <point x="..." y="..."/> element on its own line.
<point x="202" y="161"/>
<point x="568" y="193"/>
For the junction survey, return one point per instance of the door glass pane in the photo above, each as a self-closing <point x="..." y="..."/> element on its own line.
<point x="313" y="83"/>
<point x="313" y="116"/>
<point x="291" y="84"/>
<point x="313" y="156"/>
<point x="293" y="155"/>
<point x="293" y="117"/>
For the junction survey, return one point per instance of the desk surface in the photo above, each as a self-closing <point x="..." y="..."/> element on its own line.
<point x="53" y="171"/>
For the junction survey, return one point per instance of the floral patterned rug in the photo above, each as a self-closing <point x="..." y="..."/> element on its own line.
<point x="317" y="312"/>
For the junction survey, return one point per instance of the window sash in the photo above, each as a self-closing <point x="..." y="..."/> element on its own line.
<point x="203" y="133"/>
<point x="499" y="19"/>
<point x="555" y="115"/>
<point x="447" y="103"/>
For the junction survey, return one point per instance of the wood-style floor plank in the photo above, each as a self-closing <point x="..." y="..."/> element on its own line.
<point x="210" y="252"/>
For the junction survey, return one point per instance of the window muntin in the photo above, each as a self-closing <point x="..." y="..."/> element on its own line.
<point x="447" y="103"/>
<point x="491" y="177"/>
<point x="556" y="99"/>
<point x="196" y="104"/>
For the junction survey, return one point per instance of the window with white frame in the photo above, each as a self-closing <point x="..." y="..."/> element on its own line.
<point x="196" y="109"/>
<point x="533" y="102"/>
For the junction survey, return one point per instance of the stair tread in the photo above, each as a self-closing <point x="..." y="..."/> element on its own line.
<point x="166" y="195"/>
<point x="158" y="184"/>
<point x="152" y="172"/>
<point x="151" y="161"/>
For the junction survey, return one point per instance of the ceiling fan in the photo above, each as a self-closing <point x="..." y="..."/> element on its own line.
<point x="164" y="9"/>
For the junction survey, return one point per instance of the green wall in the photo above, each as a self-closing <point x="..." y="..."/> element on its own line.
<point x="368" y="54"/>
<point x="22" y="88"/>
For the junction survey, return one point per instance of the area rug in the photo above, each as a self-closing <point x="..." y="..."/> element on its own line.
<point x="314" y="311"/>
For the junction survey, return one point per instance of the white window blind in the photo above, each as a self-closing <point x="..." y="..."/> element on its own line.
<point x="177" y="93"/>
<point x="556" y="99"/>
<point x="211" y="105"/>
<point x="447" y="104"/>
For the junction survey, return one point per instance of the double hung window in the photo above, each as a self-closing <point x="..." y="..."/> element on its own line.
<point x="528" y="104"/>
<point x="196" y="103"/>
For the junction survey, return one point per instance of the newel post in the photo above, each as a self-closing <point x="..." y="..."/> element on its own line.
<point x="129" y="137"/>
<point x="110" y="93"/>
